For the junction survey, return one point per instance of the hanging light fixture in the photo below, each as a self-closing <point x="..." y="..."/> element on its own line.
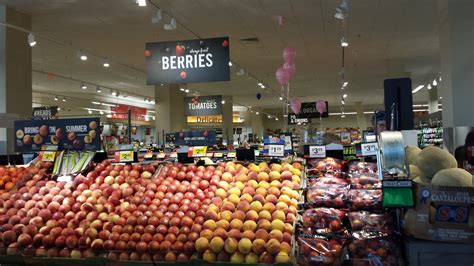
<point x="101" y="112"/>
<point x="435" y="83"/>
<point x="82" y="56"/>
<point x="98" y="90"/>
<point x="83" y="86"/>
<point x="344" y="42"/>
<point x="114" y="93"/>
<point x="280" y="98"/>
<point x="429" y="87"/>
<point x="31" y="39"/>
<point x="223" y="101"/>
<point x="141" y="2"/>
<point x="105" y="62"/>
<point x="64" y="99"/>
<point x="344" y="95"/>
<point x="56" y="98"/>
<point x="90" y="111"/>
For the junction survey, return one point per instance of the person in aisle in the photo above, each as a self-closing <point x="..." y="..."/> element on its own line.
<point x="463" y="154"/>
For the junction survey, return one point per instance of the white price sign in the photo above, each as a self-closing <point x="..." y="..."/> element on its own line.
<point x="369" y="149"/>
<point x="276" y="150"/>
<point x="317" y="151"/>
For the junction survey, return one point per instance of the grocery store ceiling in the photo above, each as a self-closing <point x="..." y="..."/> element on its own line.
<point x="387" y="39"/>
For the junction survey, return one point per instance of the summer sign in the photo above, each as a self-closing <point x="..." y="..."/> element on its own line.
<point x="189" y="61"/>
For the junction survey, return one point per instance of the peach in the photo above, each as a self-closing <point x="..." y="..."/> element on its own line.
<point x="276" y="234"/>
<point x="245" y="246"/>
<point x="267" y="258"/>
<point x="236" y="224"/>
<point x="249" y="234"/>
<point x="237" y="258"/>
<point x="227" y="177"/>
<point x="251" y="258"/>
<point x="233" y="198"/>
<point x="230" y="245"/>
<point x="264" y="184"/>
<point x="274" y="175"/>
<point x="234" y="233"/>
<point x="223" y="185"/>
<point x="282" y="257"/>
<point x="222" y="224"/>
<point x="239" y="215"/>
<point x="278" y="215"/>
<point x="268" y="206"/>
<point x="278" y="225"/>
<point x="241" y="177"/>
<point x="275" y="184"/>
<point x="207" y="233"/>
<point x="282" y="206"/>
<point x="240" y="185"/>
<point x="249" y="225"/>
<point x="259" y="198"/>
<point x="264" y="215"/>
<point x="209" y="224"/>
<point x="273" y="246"/>
<point x="209" y="256"/>
<point x="285" y="247"/>
<point x="251" y="215"/>
<point x="202" y="244"/>
<point x="223" y="256"/>
<point x="249" y="190"/>
<point x="288" y="228"/>
<point x="246" y="197"/>
<point x="258" y="246"/>
<point x="262" y="234"/>
<point x="261" y="191"/>
<point x="276" y="167"/>
<point x="243" y="206"/>
<point x="216" y="244"/>
<point x="211" y="215"/>
<point x="264" y="224"/>
<point x="287" y="237"/>
<point x="226" y="215"/>
<point x="263" y="176"/>
<point x="229" y="206"/>
<point x="274" y="191"/>
<point x="220" y="232"/>
<point x="221" y="193"/>
<point x="234" y="191"/>
<point x="252" y="183"/>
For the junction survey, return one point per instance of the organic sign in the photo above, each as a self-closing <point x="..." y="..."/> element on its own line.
<point x="44" y="113"/>
<point x="203" y="105"/>
<point x="77" y="134"/>
<point x="308" y="110"/>
<point x="188" y="61"/>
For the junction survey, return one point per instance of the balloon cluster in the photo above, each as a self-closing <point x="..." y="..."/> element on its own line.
<point x="286" y="72"/>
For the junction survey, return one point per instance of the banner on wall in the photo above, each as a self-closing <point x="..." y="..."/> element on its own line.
<point x="45" y="113"/>
<point x="308" y="110"/>
<point x="195" y="138"/>
<point x="76" y="134"/>
<point x="203" y="105"/>
<point x="120" y="111"/>
<point x="188" y="61"/>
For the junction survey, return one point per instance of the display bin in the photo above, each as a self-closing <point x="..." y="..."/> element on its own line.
<point x="423" y="252"/>
<point x="12" y="260"/>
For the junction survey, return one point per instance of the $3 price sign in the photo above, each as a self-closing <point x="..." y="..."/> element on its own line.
<point x="369" y="149"/>
<point x="317" y="151"/>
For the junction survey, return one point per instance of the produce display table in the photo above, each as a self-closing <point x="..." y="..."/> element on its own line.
<point x="421" y="252"/>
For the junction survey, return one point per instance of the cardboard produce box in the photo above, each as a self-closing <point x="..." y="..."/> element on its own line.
<point x="442" y="214"/>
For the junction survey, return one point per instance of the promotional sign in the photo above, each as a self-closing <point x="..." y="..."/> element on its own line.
<point x="274" y="146"/>
<point x="188" y="61"/>
<point x="120" y="111"/>
<point x="195" y="138"/>
<point x="308" y="110"/>
<point x="295" y="120"/>
<point x="345" y="137"/>
<point x="203" y="105"/>
<point x="45" y="113"/>
<point x="197" y="151"/>
<point x="77" y="134"/>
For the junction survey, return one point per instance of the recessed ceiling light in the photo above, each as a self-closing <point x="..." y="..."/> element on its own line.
<point x="280" y="98"/>
<point x="31" y="39"/>
<point x="82" y="56"/>
<point x="230" y="63"/>
<point x="186" y="90"/>
<point x="345" y="84"/>
<point x="269" y="117"/>
<point x="435" y="83"/>
<point x="429" y="87"/>
<point x="98" y="90"/>
<point x="181" y="89"/>
<point x="344" y="96"/>
<point x="56" y="98"/>
<point x="105" y="62"/>
<point x="223" y="101"/>
<point x="90" y="111"/>
<point x="343" y="102"/>
<point x="83" y="86"/>
<point x="141" y="2"/>
<point x="64" y="99"/>
<point x="276" y="118"/>
<point x="257" y="113"/>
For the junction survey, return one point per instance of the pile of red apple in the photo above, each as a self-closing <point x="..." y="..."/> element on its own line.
<point x="322" y="250"/>
<point x="12" y="177"/>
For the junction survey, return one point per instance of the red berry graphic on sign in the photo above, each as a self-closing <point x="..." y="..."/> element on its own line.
<point x="147" y="53"/>
<point x="183" y="74"/>
<point x="179" y="50"/>
<point x="225" y="43"/>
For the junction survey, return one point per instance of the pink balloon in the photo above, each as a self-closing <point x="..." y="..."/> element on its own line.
<point x="295" y="105"/>
<point x="321" y="106"/>
<point x="282" y="76"/>
<point x="289" y="55"/>
<point x="290" y="68"/>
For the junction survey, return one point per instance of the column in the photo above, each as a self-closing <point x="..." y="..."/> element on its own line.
<point x="256" y="122"/>
<point x="227" y="119"/>
<point x="456" y="39"/>
<point x="15" y="72"/>
<point x="361" y="121"/>
<point x="433" y="100"/>
<point x="169" y="110"/>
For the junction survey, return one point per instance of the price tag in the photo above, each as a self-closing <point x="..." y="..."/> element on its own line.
<point x="218" y="155"/>
<point x="174" y="155"/>
<point x="209" y="154"/>
<point x="317" y="151"/>
<point x="148" y="155"/>
<point x="125" y="156"/>
<point x="369" y="149"/>
<point x="48" y="156"/>
<point x="161" y="155"/>
<point x="231" y="154"/>
<point x="257" y="153"/>
<point x="276" y="150"/>
<point x="199" y="151"/>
